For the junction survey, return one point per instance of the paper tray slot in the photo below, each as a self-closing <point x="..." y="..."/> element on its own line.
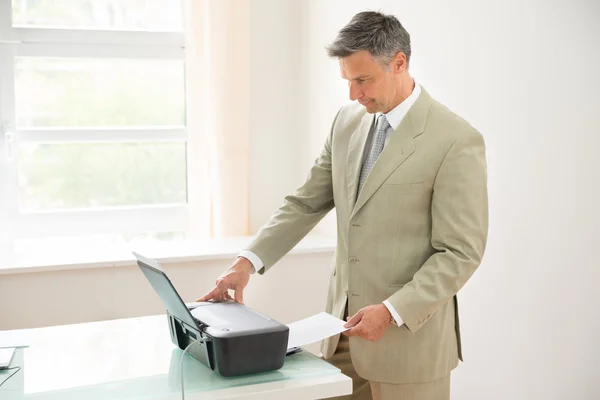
<point x="183" y="335"/>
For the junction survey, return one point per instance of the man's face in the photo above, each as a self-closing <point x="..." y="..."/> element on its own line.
<point x="370" y="83"/>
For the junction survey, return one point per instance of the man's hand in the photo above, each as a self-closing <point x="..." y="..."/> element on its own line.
<point x="235" y="278"/>
<point x="369" y="323"/>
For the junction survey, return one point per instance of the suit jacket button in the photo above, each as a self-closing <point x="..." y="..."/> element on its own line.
<point x="352" y="260"/>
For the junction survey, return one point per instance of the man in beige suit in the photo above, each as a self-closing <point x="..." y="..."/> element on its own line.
<point x="408" y="180"/>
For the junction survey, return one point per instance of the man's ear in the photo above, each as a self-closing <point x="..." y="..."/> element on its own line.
<point x="399" y="63"/>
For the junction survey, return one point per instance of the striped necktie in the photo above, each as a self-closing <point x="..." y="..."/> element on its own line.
<point x="376" y="148"/>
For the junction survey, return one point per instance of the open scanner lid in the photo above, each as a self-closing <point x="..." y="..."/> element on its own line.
<point x="166" y="291"/>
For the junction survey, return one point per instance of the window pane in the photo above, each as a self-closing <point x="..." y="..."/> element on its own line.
<point x="136" y="15"/>
<point x="80" y="175"/>
<point x="70" y="92"/>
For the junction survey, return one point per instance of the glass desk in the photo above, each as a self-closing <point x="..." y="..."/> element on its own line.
<point x="135" y="359"/>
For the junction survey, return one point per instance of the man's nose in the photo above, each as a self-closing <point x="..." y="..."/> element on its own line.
<point x="355" y="92"/>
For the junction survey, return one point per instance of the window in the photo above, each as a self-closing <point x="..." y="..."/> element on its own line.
<point x="93" y="118"/>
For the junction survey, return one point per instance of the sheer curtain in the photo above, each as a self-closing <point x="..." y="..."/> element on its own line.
<point x="217" y="59"/>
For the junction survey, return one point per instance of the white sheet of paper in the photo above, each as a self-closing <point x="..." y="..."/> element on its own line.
<point x="313" y="329"/>
<point x="13" y="339"/>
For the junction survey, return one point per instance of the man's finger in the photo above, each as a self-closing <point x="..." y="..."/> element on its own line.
<point x="213" y="294"/>
<point x="355" y="319"/>
<point x="356" y="331"/>
<point x="206" y="297"/>
<point x="239" y="294"/>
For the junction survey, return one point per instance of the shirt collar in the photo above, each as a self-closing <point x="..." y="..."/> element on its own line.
<point x="397" y="114"/>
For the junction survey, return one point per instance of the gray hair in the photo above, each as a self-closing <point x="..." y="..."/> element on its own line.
<point x="382" y="35"/>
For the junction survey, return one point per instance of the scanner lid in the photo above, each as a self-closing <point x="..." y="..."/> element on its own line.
<point x="164" y="288"/>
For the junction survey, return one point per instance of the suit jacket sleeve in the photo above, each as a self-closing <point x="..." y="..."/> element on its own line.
<point x="459" y="233"/>
<point x="300" y="212"/>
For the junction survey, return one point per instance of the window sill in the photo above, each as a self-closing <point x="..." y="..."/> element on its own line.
<point x="71" y="255"/>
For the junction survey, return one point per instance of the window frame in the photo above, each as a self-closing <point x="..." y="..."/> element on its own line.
<point x="84" y="43"/>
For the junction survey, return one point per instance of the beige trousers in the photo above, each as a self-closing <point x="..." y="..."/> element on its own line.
<point x="365" y="390"/>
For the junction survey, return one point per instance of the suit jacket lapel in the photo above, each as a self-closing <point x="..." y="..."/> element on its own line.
<point x="398" y="149"/>
<point x="356" y="151"/>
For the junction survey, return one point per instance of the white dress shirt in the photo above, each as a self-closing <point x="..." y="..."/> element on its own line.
<point x="394" y="117"/>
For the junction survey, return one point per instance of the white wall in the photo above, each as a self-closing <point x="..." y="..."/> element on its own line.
<point x="526" y="75"/>
<point x="277" y="117"/>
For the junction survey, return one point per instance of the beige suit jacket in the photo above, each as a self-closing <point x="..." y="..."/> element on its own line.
<point x="414" y="236"/>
